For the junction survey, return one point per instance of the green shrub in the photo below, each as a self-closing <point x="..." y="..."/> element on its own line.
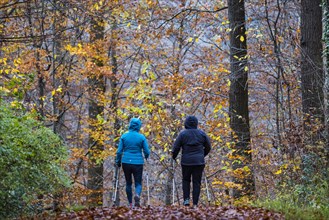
<point x="31" y="162"/>
<point x="301" y="201"/>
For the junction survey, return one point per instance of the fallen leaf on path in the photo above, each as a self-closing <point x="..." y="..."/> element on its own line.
<point x="173" y="213"/>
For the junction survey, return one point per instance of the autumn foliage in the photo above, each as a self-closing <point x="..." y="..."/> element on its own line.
<point x="84" y="68"/>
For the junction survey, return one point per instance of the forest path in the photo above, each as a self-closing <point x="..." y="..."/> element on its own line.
<point x="172" y="213"/>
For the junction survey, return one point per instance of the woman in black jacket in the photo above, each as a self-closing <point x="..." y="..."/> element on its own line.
<point x="195" y="145"/>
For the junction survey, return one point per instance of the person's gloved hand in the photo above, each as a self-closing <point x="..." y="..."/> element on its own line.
<point x="118" y="164"/>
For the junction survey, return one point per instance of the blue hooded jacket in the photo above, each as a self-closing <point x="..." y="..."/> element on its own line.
<point x="131" y="145"/>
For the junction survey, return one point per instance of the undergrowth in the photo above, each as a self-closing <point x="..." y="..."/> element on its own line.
<point x="302" y="201"/>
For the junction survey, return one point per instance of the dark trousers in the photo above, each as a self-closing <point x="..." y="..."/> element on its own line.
<point x="196" y="173"/>
<point x="131" y="170"/>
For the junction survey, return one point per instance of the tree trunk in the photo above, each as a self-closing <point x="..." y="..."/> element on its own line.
<point x="170" y="184"/>
<point x="312" y="75"/>
<point x="326" y="72"/>
<point x="238" y="98"/>
<point x="114" y="99"/>
<point x="97" y="88"/>
<point x="37" y="44"/>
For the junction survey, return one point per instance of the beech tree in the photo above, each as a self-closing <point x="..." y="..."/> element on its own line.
<point x="326" y="65"/>
<point x="238" y="98"/>
<point x="97" y="89"/>
<point x="312" y="75"/>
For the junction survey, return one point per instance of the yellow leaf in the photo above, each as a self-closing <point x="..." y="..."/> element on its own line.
<point x="246" y="169"/>
<point x="59" y="89"/>
<point x="241" y="38"/>
<point x="228" y="82"/>
<point x="218" y="108"/>
<point x="100" y="119"/>
<point x="196" y="40"/>
<point x="144" y="67"/>
<point x="128" y="25"/>
<point x="278" y="172"/>
<point x="190" y="39"/>
<point x="53" y="92"/>
<point x="4" y="61"/>
<point x="217" y="183"/>
<point x="96" y="6"/>
<point x="4" y="89"/>
<point x="125" y="15"/>
<point x="14" y="104"/>
<point x="152" y="75"/>
<point x="246" y="68"/>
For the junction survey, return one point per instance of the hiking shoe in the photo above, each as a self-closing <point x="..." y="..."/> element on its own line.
<point x="186" y="202"/>
<point x="137" y="201"/>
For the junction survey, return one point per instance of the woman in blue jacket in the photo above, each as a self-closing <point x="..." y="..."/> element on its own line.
<point x="130" y="152"/>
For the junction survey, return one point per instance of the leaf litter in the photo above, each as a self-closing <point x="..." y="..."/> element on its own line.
<point x="172" y="213"/>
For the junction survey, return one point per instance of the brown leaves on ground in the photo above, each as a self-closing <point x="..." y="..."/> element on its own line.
<point x="172" y="213"/>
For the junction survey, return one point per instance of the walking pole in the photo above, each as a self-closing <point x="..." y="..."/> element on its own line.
<point x="148" y="189"/>
<point x="207" y="189"/>
<point x="114" y="197"/>
<point x="173" y="190"/>
<point x="147" y="184"/>
<point x="113" y="183"/>
<point x="173" y="183"/>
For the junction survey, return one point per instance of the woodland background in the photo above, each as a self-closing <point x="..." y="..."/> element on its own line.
<point x="73" y="73"/>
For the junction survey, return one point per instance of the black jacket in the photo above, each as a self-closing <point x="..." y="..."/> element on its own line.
<point x="194" y="142"/>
